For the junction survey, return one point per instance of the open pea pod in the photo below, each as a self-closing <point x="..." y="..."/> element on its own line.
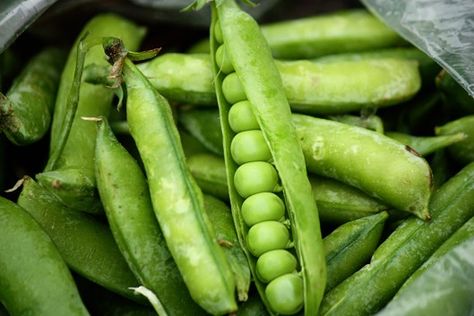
<point x="251" y="58"/>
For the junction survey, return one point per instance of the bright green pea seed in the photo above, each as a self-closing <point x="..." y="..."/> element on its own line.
<point x="241" y="117"/>
<point x="255" y="177"/>
<point x="223" y="61"/>
<point x="218" y="33"/>
<point x="275" y="263"/>
<point x="266" y="236"/>
<point x="260" y="207"/>
<point x="232" y="89"/>
<point x="249" y="146"/>
<point x="285" y="294"/>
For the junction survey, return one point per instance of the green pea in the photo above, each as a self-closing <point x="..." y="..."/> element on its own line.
<point x="255" y="177"/>
<point x="223" y="60"/>
<point x="241" y="117"/>
<point x="233" y="89"/>
<point x="285" y="294"/>
<point x="266" y="236"/>
<point x="260" y="207"/>
<point x="249" y="146"/>
<point x="275" y="263"/>
<point x="218" y="33"/>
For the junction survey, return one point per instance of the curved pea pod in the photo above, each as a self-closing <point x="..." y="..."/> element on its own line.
<point x="77" y="157"/>
<point x="427" y="66"/>
<point x="124" y="193"/>
<point x="464" y="150"/>
<point x="310" y="87"/>
<point x="455" y="96"/>
<point x="221" y="219"/>
<point x="34" y="279"/>
<point x="252" y="61"/>
<point x="177" y="200"/>
<point x="406" y="249"/>
<point x="26" y="110"/>
<point x="444" y="288"/>
<point x="351" y="245"/>
<point x="387" y="170"/>
<point x="425" y="145"/>
<point x="85" y="243"/>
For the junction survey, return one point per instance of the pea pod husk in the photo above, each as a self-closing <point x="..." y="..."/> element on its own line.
<point x="412" y="243"/>
<point x="463" y="152"/>
<point x="26" y="110"/>
<point x="425" y="145"/>
<point x="85" y="243"/>
<point x="176" y="198"/>
<point x="125" y="195"/>
<point x="263" y="88"/>
<point x="34" y="278"/>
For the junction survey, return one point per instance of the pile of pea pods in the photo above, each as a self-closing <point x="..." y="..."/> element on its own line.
<point x="315" y="166"/>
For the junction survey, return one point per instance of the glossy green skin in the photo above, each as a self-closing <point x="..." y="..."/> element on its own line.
<point x="331" y="88"/>
<point x="337" y="202"/>
<point x="221" y="218"/>
<point x="176" y="198"/>
<point x="85" y="243"/>
<point x="412" y="243"/>
<point x="25" y="115"/>
<point x="350" y="246"/>
<point x="344" y="31"/>
<point x="246" y="49"/>
<point x="124" y="193"/>
<point x="94" y="100"/>
<point x="462" y="151"/>
<point x="387" y="170"/>
<point x="425" y="145"/>
<point x="372" y="122"/>
<point x="34" y="280"/>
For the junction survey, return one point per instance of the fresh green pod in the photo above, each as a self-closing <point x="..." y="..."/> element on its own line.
<point x="26" y="110"/>
<point x="310" y="87"/>
<point x="351" y="245"/>
<point x="337" y="202"/>
<point x="412" y="243"/>
<point x="191" y="145"/>
<point x="371" y="122"/>
<point x="425" y="145"/>
<point x="462" y="151"/>
<point x="94" y="100"/>
<point x="34" y="280"/>
<point x="246" y="48"/>
<point x="176" y="198"/>
<point x="85" y="243"/>
<point x="221" y="218"/>
<point x="454" y="94"/>
<point x="124" y="193"/>
<point x="427" y="66"/>
<point x="389" y="171"/>
<point x="441" y="166"/>
<point x="444" y="288"/>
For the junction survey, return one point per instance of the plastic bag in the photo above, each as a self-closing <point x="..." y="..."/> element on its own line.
<point x="443" y="29"/>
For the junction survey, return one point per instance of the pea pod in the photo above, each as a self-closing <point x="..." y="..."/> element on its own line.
<point x="26" y="110"/>
<point x="464" y="150"/>
<point x="425" y="145"/>
<point x="72" y="178"/>
<point x="85" y="243"/>
<point x="246" y="48"/>
<point x="124" y="194"/>
<point x="412" y="243"/>
<point x="34" y="279"/>
<point x="210" y="174"/>
<point x="371" y="122"/>
<point x="310" y="87"/>
<point x="388" y="170"/>
<point x="177" y="200"/>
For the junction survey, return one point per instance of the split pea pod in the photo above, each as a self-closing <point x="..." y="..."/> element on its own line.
<point x="71" y="178"/>
<point x="84" y="242"/>
<point x="124" y="193"/>
<point x="463" y="151"/>
<point x="34" y="280"/>
<point x="177" y="200"/>
<point x="369" y="289"/>
<point x="26" y="110"/>
<point x="311" y="87"/>
<point x="388" y="171"/>
<point x="254" y="183"/>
